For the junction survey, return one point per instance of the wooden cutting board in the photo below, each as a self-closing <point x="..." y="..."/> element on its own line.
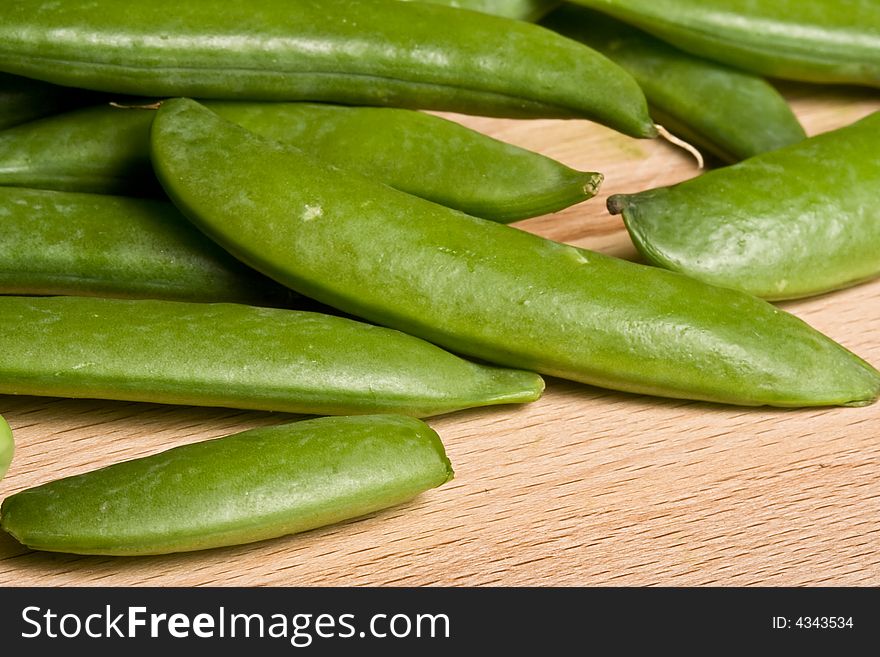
<point x="584" y="487"/>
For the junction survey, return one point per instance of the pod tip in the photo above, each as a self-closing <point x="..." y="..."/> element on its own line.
<point x="450" y="472"/>
<point x="7" y="447"/>
<point x="617" y="203"/>
<point x="592" y="182"/>
<point x="873" y="394"/>
<point x="519" y="387"/>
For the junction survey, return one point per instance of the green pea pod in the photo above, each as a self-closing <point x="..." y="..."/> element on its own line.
<point x="237" y="356"/>
<point x="524" y="10"/>
<point x="376" y="52"/>
<point x="7" y="447"/>
<point x="795" y="222"/>
<point x="247" y="487"/>
<point x="729" y="113"/>
<point x="106" y="150"/>
<point x="22" y="99"/>
<point x="814" y="41"/>
<point x="97" y="150"/>
<point x="489" y="290"/>
<point x="91" y="245"/>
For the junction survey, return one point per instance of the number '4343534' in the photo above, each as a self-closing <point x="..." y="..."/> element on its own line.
<point x="824" y="622"/>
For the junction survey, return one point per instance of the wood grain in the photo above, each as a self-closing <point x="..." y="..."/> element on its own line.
<point x="584" y="487"/>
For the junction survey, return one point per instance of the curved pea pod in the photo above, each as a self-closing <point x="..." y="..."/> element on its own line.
<point x="727" y="112"/>
<point x="112" y="246"/>
<point x="488" y="290"/>
<point x="23" y="99"/>
<point x="106" y="150"/>
<point x="795" y="222"/>
<point x="237" y="356"/>
<point x="247" y="487"/>
<point x="815" y="41"/>
<point x="383" y="52"/>
<point x="7" y="447"/>
<point x="524" y="10"/>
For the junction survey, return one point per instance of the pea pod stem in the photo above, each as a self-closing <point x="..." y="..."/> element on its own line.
<point x="682" y="144"/>
<point x="237" y="356"/>
<point x="817" y="41"/>
<point x="381" y="52"/>
<point x="488" y="290"/>
<point x="791" y="223"/>
<point x="106" y="150"/>
<point x="727" y="112"/>
<point x="251" y="486"/>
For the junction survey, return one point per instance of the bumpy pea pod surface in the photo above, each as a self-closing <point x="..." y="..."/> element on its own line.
<point x="106" y="150"/>
<point x="243" y="488"/>
<point x="237" y="356"/>
<point x="815" y="40"/>
<point x="489" y="290"/>
<point x="373" y="52"/>
<point x="23" y="99"/>
<point x="112" y="246"/>
<point x="728" y="112"/>
<point x="798" y="221"/>
<point x="524" y="10"/>
<point x="7" y="447"/>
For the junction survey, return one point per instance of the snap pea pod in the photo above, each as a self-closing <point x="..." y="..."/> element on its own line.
<point x="814" y="40"/>
<point x="489" y="290"/>
<point x="373" y="52"/>
<point x="524" y="10"/>
<point x="238" y="356"/>
<point x="23" y="99"/>
<point x="247" y="487"/>
<point x="91" y="245"/>
<point x="727" y="112"/>
<point x="7" y="447"/>
<point x="795" y="222"/>
<point x="106" y="150"/>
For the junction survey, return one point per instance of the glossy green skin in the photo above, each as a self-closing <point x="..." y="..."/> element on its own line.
<point x="106" y="150"/>
<point x="524" y="10"/>
<point x="371" y="52"/>
<point x="237" y="356"/>
<point x="834" y="41"/>
<point x="7" y="447"/>
<point x="489" y="290"/>
<point x="23" y="99"/>
<point x="729" y="113"/>
<point x="247" y="487"/>
<point x="111" y="246"/>
<point x="795" y="222"/>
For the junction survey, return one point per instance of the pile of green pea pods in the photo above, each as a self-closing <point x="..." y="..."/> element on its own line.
<point x="163" y="249"/>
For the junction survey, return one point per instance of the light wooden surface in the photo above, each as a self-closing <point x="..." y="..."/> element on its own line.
<point x="584" y="487"/>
